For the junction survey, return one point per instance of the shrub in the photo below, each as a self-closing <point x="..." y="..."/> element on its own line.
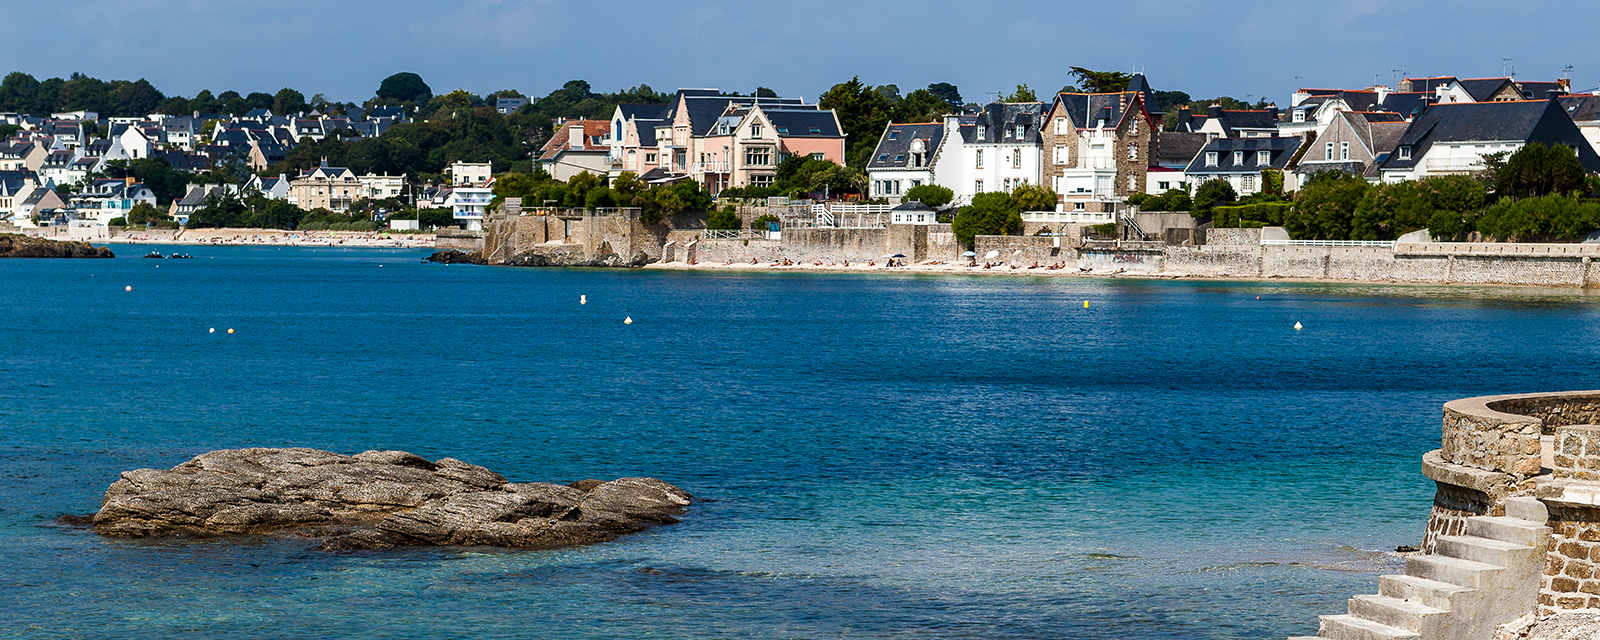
<point x="990" y="214"/>
<point x="1250" y="216"/>
<point x="930" y="194"/>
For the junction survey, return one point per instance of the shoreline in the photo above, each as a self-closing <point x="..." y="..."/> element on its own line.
<point x="255" y="238"/>
<point x="1069" y="272"/>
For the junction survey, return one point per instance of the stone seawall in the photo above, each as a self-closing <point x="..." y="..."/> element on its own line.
<point x="1553" y="265"/>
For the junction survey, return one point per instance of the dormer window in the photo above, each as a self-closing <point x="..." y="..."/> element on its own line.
<point x="1211" y="158"/>
<point x="755" y="129"/>
<point x="1238" y="158"/>
<point x="1263" y="158"/>
<point x="982" y="130"/>
<point x="1299" y="115"/>
<point x="1021" y="131"/>
<point x="1405" y="152"/>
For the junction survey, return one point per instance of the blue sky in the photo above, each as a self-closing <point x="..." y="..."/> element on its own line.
<point x="798" y="47"/>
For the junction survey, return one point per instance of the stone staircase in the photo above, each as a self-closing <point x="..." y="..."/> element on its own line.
<point x="1472" y="584"/>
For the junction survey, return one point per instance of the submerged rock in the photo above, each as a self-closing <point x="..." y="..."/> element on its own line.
<point x="376" y="500"/>
<point x="20" y="246"/>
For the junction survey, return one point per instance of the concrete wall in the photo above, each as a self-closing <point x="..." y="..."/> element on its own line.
<point x="1023" y="250"/>
<point x="458" y="240"/>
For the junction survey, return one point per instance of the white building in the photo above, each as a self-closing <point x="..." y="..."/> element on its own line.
<point x="904" y="159"/>
<point x="468" y="204"/>
<point x="470" y="173"/>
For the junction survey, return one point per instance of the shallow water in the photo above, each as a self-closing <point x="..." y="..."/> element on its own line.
<point x="877" y="456"/>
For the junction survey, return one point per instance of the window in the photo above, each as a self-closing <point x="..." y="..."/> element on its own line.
<point x="1405" y="152"/>
<point x="1016" y="158"/>
<point x="1164" y="185"/>
<point x="817" y="156"/>
<point x="1061" y="126"/>
<point x="1247" y="183"/>
<point x="761" y="181"/>
<point x="1021" y="131"/>
<point x="1238" y="158"/>
<point x="900" y="157"/>
<point x="916" y="183"/>
<point x="1344" y="151"/>
<point x="1327" y="151"/>
<point x="979" y="165"/>
<point x="783" y="131"/>
<point x="1299" y="115"/>
<point x="755" y="129"/>
<point x="1133" y="182"/>
<point x="894" y="135"/>
<point x="977" y="186"/>
<point x="815" y="131"/>
<point x="1077" y="206"/>
<point x="1211" y="158"/>
<point x="883" y="158"/>
<point x="1263" y="158"/>
<point x="1133" y="126"/>
<point x="758" y="156"/>
<point x="1133" y="152"/>
<point x="650" y="158"/>
<point x="981" y="130"/>
<point x="1061" y="155"/>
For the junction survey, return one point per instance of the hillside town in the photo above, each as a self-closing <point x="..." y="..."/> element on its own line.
<point x="1093" y="153"/>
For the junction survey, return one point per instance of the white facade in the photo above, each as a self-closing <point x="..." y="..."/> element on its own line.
<point x="469" y="204"/>
<point x="470" y="172"/>
<point x="376" y="187"/>
<point x="1447" y="158"/>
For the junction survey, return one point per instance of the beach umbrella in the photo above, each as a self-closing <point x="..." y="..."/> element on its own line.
<point x="898" y="255"/>
<point x="969" y="254"/>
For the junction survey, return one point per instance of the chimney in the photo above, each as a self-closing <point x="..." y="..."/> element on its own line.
<point x="1214" y="111"/>
<point x="575" y="137"/>
<point x="1272" y="110"/>
<point x="1184" y="116"/>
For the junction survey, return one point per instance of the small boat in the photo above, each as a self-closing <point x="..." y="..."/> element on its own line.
<point x="180" y="256"/>
<point x="154" y="254"/>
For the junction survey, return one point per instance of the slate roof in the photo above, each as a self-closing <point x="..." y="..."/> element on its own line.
<point x="894" y="148"/>
<point x="644" y="111"/>
<point x="1406" y="104"/>
<point x="999" y="121"/>
<point x="1139" y="84"/>
<point x="1482" y="89"/>
<point x="1356" y="100"/>
<point x="1581" y="108"/>
<point x="1538" y="90"/>
<point x="1178" y="148"/>
<point x="647" y="131"/>
<point x="1280" y="152"/>
<point x="1086" y="109"/>
<point x="803" y="123"/>
<point x="1233" y="121"/>
<point x="1543" y="121"/>
<point x="704" y="106"/>
<point x="1428" y="85"/>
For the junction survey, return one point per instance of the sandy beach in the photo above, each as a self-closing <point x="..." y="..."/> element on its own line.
<point x="267" y="237"/>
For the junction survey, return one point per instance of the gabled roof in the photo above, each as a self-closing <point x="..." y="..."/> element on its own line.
<point x="1543" y="121"/>
<point x="1428" y="85"/>
<point x="1482" y="89"/>
<point x="1085" y="110"/>
<point x="1356" y="100"/>
<point x="894" y="148"/>
<point x="643" y="111"/>
<point x="1538" y="90"/>
<point x="1407" y="104"/>
<point x="1279" y="152"/>
<point x="560" y="140"/>
<point x="999" y="121"/>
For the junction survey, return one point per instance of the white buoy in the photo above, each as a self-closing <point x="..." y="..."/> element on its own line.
<point x="213" y="330"/>
<point x="1297" y="326"/>
<point x="627" y="320"/>
<point x="583" y="299"/>
<point x="128" y="288"/>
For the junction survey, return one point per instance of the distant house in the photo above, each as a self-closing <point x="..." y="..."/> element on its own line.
<point x="1174" y="151"/>
<point x="508" y="105"/>
<point x="469" y="204"/>
<point x="325" y="187"/>
<point x="1453" y="138"/>
<point x="194" y="199"/>
<point x="276" y="188"/>
<point x="265" y="153"/>
<point x="383" y="187"/>
<point x="110" y="198"/>
<point x="1585" y="112"/>
<point x="745" y="145"/>
<point x="1354" y="143"/>
<point x="470" y="173"/>
<point x="1240" y="161"/>
<point x="1098" y="149"/>
<point x="577" y="146"/>
<point x="24" y="156"/>
<point x="997" y="150"/>
<point x="904" y="158"/>
<point x="1230" y="123"/>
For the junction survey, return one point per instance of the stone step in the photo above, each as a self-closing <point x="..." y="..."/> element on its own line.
<point x="1397" y="613"/>
<point x="1513" y="530"/>
<point x="1349" y="627"/>
<point x="1452" y="570"/>
<point x="1487" y="551"/>
<point x="1432" y="593"/>
<point x="1530" y="509"/>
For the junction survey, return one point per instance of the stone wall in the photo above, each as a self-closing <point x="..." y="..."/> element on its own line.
<point x="572" y="238"/>
<point x="1571" y="578"/>
<point x="458" y="240"/>
<point x="1022" y="250"/>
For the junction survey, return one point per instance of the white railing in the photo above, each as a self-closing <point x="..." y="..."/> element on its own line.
<point x="735" y="234"/>
<point x="710" y="167"/>
<point x="1388" y="244"/>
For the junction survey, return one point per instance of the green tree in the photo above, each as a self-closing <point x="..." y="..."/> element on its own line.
<point x="990" y="214"/>
<point x="145" y="213"/>
<point x="724" y="218"/>
<point x="1091" y="81"/>
<point x="948" y="93"/>
<point x="288" y="102"/>
<point x="1022" y="94"/>
<point x="1324" y="209"/>
<point x="627" y="184"/>
<point x="862" y="112"/>
<point x="921" y="105"/>
<point x="1210" y="194"/>
<point x="1034" y="197"/>
<point x="1391" y="210"/>
<point x="763" y="92"/>
<point x="405" y="87"/>
<point x="930" y="194"/>
<point x="1537" y="170"/>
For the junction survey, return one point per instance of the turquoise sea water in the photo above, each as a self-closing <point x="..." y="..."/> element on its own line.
<point x="876" y="456"/>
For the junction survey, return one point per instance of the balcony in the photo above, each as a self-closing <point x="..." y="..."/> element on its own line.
<point x="710" y="167"/>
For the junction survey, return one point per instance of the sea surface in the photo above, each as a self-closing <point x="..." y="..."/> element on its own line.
<point x="874" y="456"/>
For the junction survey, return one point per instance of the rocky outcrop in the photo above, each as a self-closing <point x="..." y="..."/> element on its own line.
<point x="377" y="500"/>
<point x="19" y="246"/>
<point x="451" y="256"/>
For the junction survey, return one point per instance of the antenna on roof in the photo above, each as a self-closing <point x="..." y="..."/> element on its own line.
<point x="1504" y="62"/>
